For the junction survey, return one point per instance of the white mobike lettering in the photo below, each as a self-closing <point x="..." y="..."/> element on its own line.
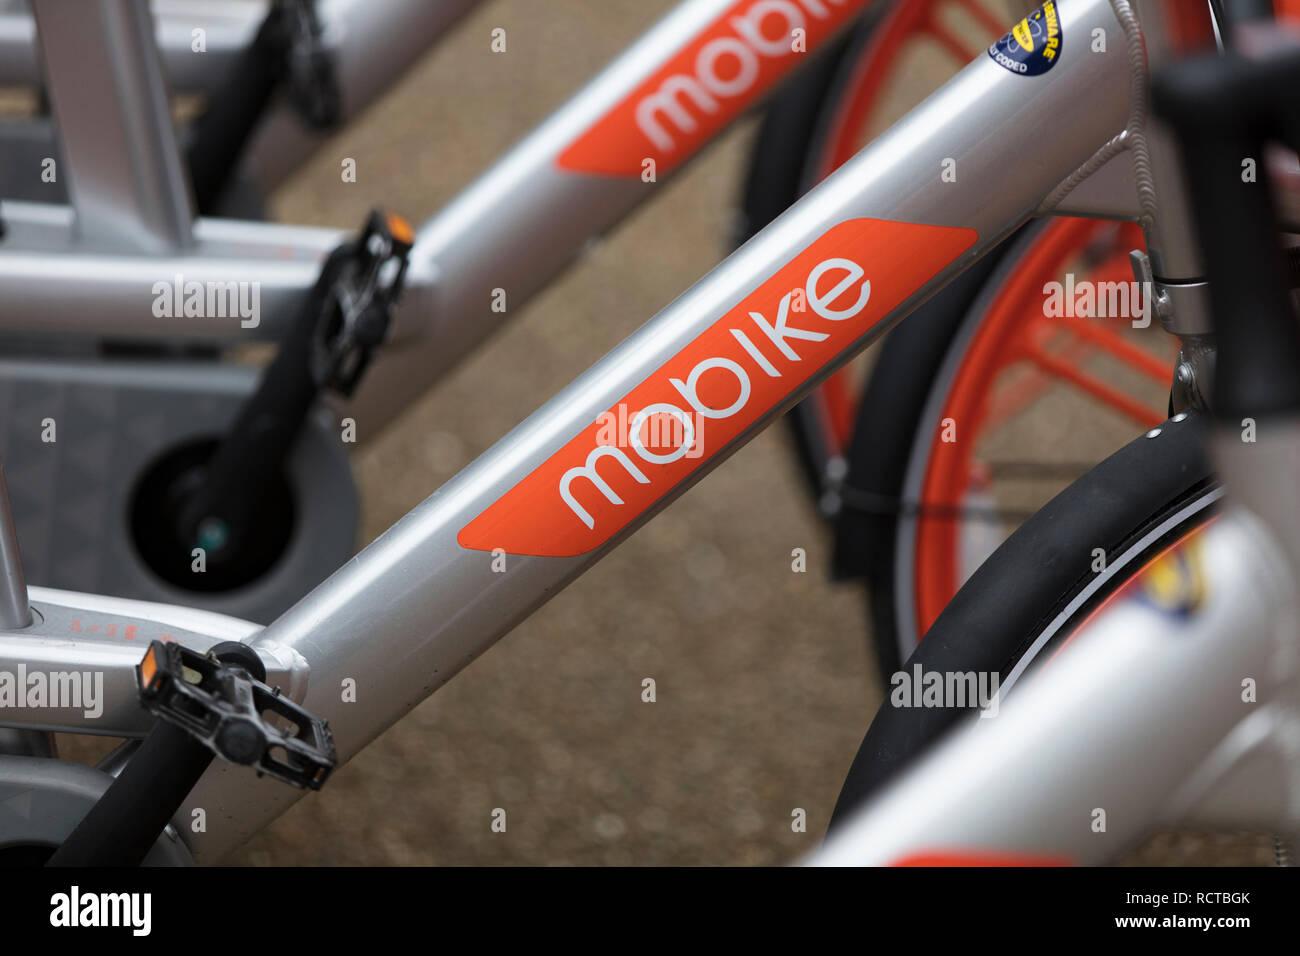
<point x="665" y="107"/>
<point x="589" y="472"/>
<point x="821" y="303"/>
<point x="661" y="408"/>
<point x="781" y="331"/>
<point x="750" y="26"/>
<point x="706" y="66"/>
<point x="777" y="333"/>
<point x="689" y="388"/>
<point x="665" y="102"/>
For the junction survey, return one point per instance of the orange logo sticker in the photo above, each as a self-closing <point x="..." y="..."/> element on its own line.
<point x="740" y="367"/>
<point x="708" y="83"/>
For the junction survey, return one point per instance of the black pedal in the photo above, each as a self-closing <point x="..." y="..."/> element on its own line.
<point x="228" y="502"/>
<point x="362" y="287"/>
<point x="221" y="707"/>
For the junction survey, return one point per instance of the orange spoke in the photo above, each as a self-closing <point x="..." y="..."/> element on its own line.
<point x="1010" y="400"/>
<point x="1097" y="333"/>
<point x="1119" y="400"/>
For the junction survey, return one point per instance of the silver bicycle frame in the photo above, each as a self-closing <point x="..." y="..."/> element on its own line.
<point x="417" y="597"/>
<point x="427" y="597"/>
<point x="514" y="229"/>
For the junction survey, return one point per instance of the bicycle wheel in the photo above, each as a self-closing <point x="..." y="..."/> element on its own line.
<point x="916" y="508"/>
<point x="1035" y="591"/>
<point x="1019" y="405"/>
<point x="821" y="119"/>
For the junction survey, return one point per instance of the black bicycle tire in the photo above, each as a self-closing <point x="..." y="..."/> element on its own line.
<point x="1039" y="572"/>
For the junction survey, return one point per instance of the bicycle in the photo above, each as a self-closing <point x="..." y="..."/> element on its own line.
<point x="518" y="501"/>
<point x="1216" y="595"/>
<point x="913" y="515"/>
<point x="353" y="54"/>
<point x="1213" y="609"/>
<point x="246" y="136"/>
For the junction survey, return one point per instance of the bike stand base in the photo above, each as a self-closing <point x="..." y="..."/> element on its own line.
<point x="77" y="435"/>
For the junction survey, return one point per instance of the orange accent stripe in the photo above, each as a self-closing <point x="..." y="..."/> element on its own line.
<point x="736" y="370"/>
<point x="711" y="79"/>
<point x="978" y="858"/>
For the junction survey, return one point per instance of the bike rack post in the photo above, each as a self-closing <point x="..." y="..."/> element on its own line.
<point x="15" y="612"/>
<point x="105" y="81"/>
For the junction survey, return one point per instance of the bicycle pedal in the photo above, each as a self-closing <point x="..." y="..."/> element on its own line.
<point x="364" y="283"/>
<point x="223" y="707"/>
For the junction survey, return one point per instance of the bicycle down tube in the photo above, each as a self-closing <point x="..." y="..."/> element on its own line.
<point x="832" y="274"/>
<point x="587" y="166"/>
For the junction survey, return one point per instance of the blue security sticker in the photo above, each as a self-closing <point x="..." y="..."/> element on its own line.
<point x="1034" y="44"/>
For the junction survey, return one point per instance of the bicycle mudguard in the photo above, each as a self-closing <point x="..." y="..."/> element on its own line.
<point x="80" y="439"/>
<point x="995" y="616"/>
